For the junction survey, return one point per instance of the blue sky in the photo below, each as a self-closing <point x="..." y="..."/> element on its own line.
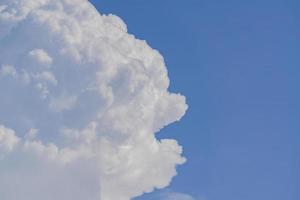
<point x="238" y="64"/>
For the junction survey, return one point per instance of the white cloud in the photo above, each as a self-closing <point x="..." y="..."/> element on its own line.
<point x="41" y="56"/>
<point x="176" y="196"/>
<point x="8" y="70"/>
<point x="31" y="134"/>
<point x="95" y="94"/>
<point x="168" y="194"/>
<point x="8" y="140"/>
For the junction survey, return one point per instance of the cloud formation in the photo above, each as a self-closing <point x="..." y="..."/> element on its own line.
<point x="81" y="101"/>
<point x="176" y="196"/>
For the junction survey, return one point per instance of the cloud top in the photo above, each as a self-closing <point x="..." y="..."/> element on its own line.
<point x="81" y="101"/>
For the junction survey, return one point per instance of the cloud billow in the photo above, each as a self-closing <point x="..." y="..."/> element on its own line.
<point x="81" y="101"/>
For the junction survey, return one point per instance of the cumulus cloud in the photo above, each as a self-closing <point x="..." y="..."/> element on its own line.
<point x="8" y="140"/>
<point x="81" y="101"/>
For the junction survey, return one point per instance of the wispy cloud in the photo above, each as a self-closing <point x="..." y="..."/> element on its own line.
<point x="176" y="196"/>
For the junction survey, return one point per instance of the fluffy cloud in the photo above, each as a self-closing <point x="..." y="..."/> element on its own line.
<point x="81" y="101"/>
<point x="8" y="140"/>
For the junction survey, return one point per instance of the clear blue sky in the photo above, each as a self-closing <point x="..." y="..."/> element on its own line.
<point x="238" y="64"/>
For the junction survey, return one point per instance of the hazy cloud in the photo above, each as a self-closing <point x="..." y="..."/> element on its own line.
<point x="177" y="196"/>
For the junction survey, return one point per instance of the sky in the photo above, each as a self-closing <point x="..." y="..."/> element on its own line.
<point x="237" y="63"/>
<point x="82" y="100"/>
